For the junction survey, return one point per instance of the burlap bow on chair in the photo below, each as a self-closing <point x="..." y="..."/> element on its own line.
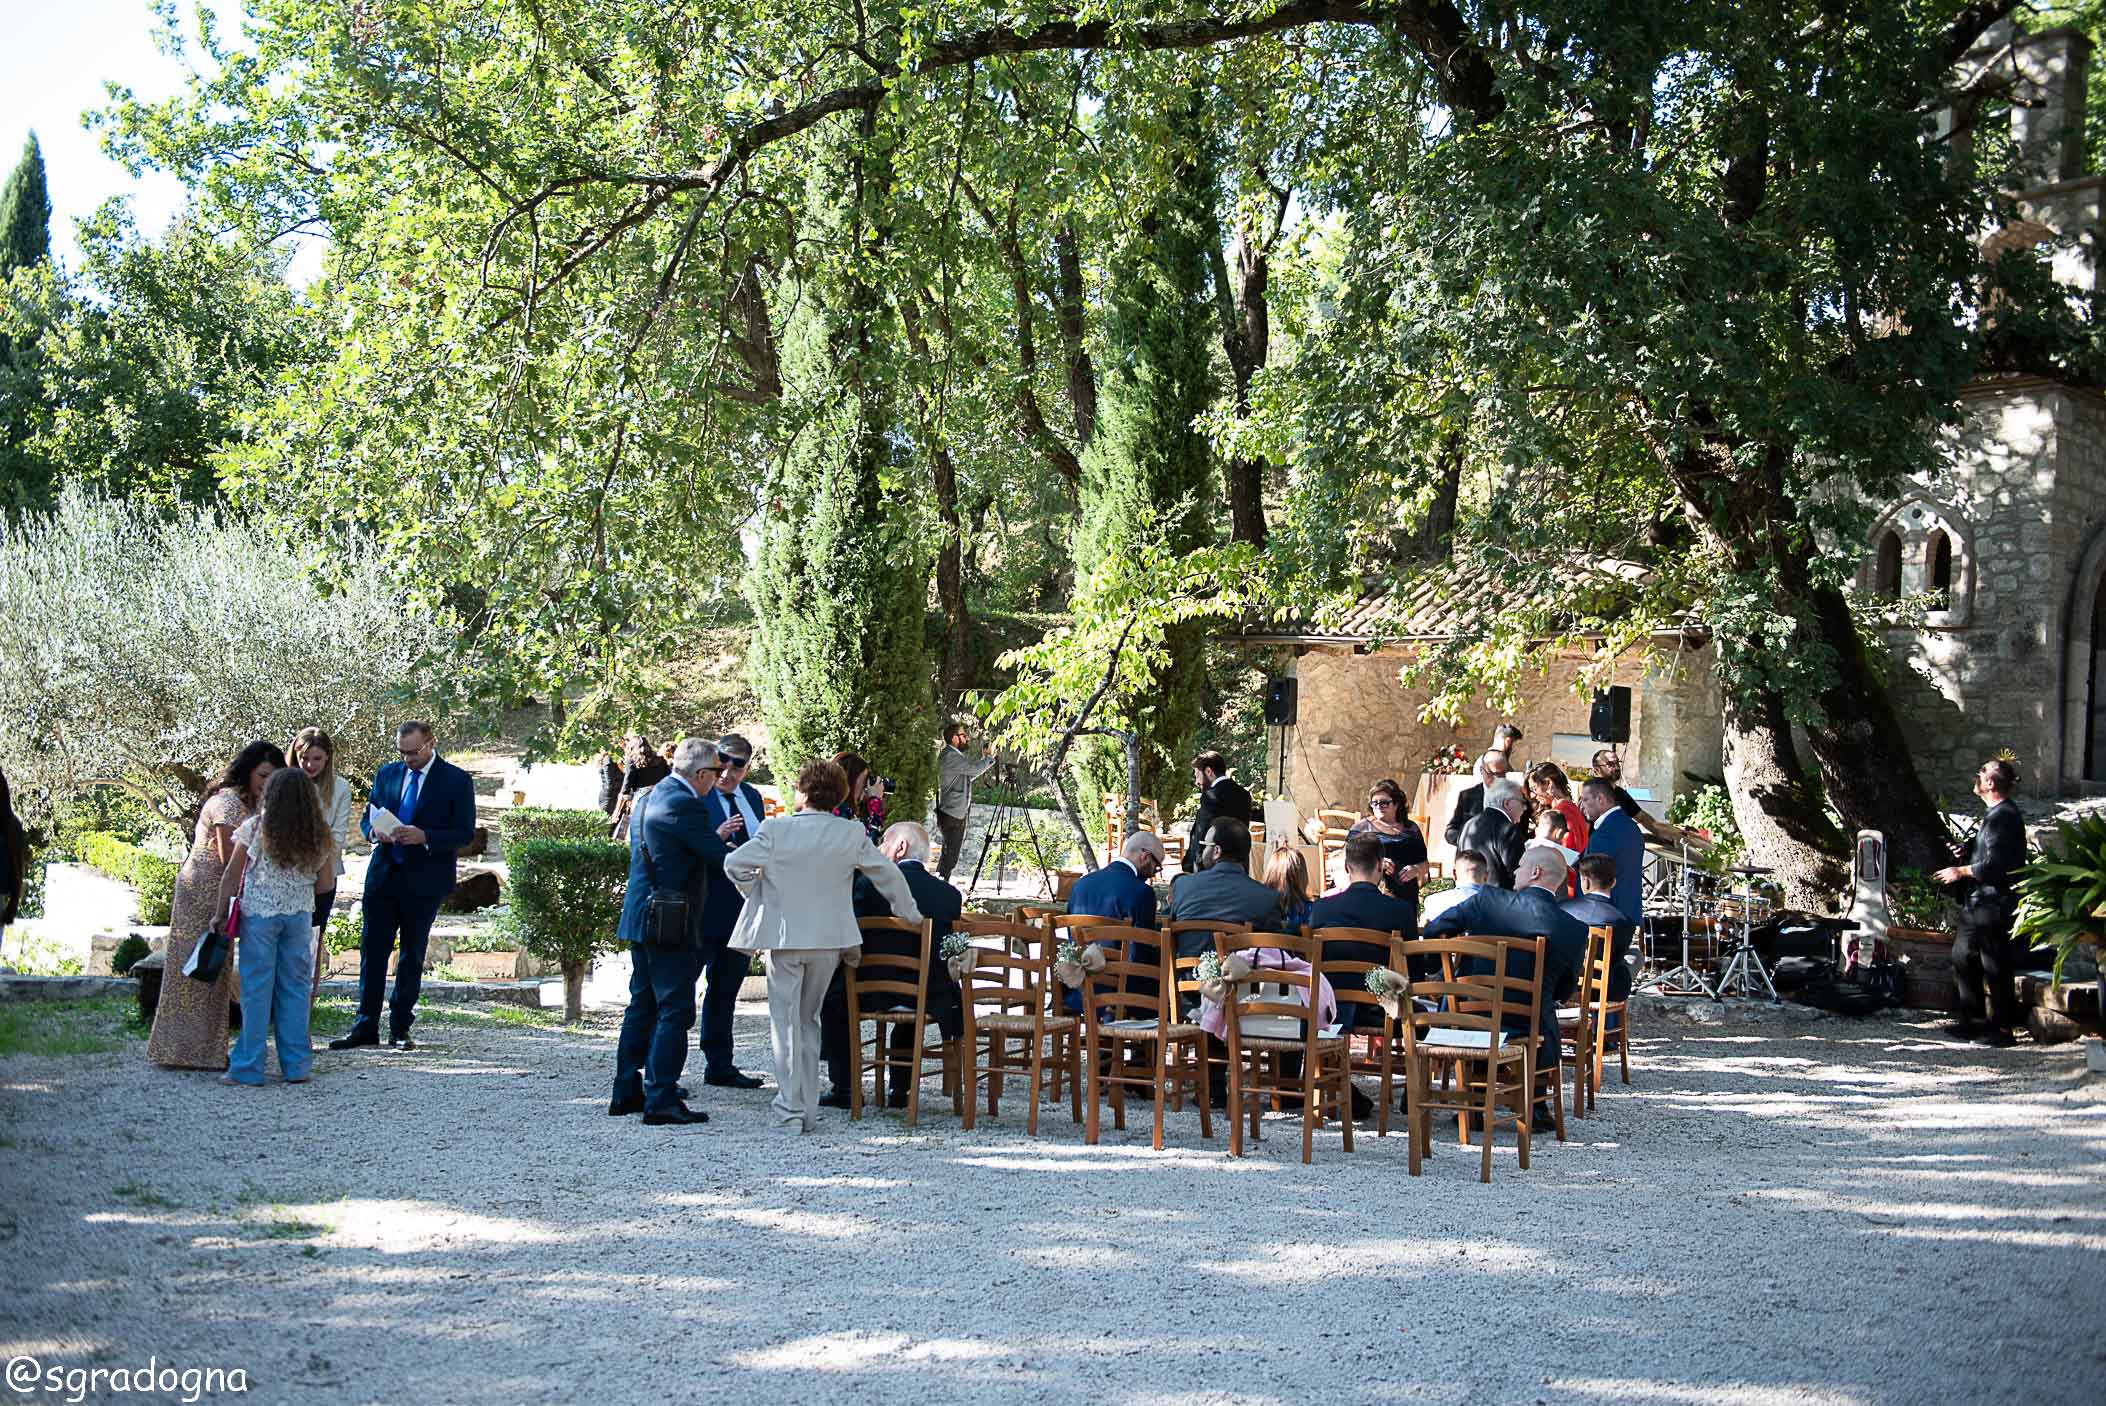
<point x="1076" y="963"/>
<point x="1391" y="988"/>
<point x="961" y="963"/>
<point x="1214" y="985"/>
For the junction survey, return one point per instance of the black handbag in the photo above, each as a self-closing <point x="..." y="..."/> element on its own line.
<point x="209" y="958"/>
<point x="671" y="920"/>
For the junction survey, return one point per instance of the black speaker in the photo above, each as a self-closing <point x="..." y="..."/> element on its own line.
<point x="1279" y="702"/>
<point x="1610" y="719"/>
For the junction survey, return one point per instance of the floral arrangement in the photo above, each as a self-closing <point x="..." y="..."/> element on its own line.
<point x="1381" y="981"/>
<point x="1209" y="968"/>
<point x="956" y="945"/>
<point x="1450" y="760"/>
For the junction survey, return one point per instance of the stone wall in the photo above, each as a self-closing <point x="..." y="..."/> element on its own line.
<point x="1356" y="723"/>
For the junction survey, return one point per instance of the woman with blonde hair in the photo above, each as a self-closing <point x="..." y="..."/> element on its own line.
<point x="314" y="753"/>
<point x="798" y="875"/>
<point x="280" y="862"/>
<point x="1287" y="874"/>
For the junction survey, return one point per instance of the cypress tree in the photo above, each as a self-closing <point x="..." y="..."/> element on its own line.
<point x="25" y="212"/>
<point x="841" y="582"/>
<point x="1148" y="458"/>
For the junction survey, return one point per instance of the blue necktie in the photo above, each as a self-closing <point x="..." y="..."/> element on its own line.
<point x="409" y="799"/>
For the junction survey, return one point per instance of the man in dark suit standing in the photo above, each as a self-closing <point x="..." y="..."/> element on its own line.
<point x="1595" y="908"/>
<point x="1529" y="910"/>
<point x="1613" y="833"/>
<point x="672" y="849"/>
<point x="411" y="872"/>
<point x="1983" y="956"/>
<point x="1362" y="904"/>
<point x="1496" y="833"/>
<point x="1221" y="797"/>
<point x="1494" y="764"/>
<point x="735" y="810"/>
<point x="905" y="843"/>
<point x="1225" y="891"/>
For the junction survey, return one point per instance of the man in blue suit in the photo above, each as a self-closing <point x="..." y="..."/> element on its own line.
<point x="672" y="842"/>
<point x="411" y="872"/>
<point x="1615" y="834"/>
<point x="1529" y="909"/>
<point x="905" y="843"/>
<point x="1120" y="891"/>
<point x="1595" y="908"/>
<point x="735" y="813"/>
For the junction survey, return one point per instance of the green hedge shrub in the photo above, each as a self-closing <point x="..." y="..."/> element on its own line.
<point x="567" y="900"/>
<point x="151" y="877"/>
<point x="526" y="823"/>
<point x="128" y="954"/>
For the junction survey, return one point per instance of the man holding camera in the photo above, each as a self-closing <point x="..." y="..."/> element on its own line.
<point x="956" y="771"/>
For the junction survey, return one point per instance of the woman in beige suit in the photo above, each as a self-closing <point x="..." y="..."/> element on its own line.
<point x="798" y="874"/>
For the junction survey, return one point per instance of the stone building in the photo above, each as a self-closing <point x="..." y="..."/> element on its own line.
<point x="2007" y="540"/>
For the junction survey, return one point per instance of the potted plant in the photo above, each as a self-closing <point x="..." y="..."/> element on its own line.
<point x="2062" y="893"/>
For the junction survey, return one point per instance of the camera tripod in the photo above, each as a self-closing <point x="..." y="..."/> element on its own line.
<point x="1002" y="843"/>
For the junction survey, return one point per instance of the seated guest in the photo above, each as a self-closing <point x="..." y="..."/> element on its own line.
<point x="1287" y="874"/>
<point x="1496" y="833"/>
<point x="1529" y="910"/>
<point x="1597" y="880"/>
<point x="1120" y="890"/>
<point x="1403" y="846"/>
<point x="1362" y="904"/>
<point x="1615" y="834"/>
<point x="1469" y="877"/>
<point x="1470" y="800"/>
<point x="1226" y="891"/>
<point x="1221" y="797"/>
<point x="905" y="843"/>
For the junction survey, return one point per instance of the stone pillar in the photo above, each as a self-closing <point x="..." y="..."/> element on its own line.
<point x="2047" y="104"/>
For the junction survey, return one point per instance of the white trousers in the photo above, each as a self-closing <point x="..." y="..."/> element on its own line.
<point x="797" y="982"/>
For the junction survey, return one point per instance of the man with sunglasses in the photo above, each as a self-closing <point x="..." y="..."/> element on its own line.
<point x="735" y="810"/>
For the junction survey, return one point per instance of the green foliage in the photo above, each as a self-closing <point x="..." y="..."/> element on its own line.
<point x="567" y="896"/>
<point x="1709" y="808"/>
<point x="1913" y="901"/>
<point x="25" y="212"/>
<point x="127" y="954"/>
<point x="841" y="583"/>
<point x="2062" y="894"/>
<point x="523" y="823"/>
<point x="152" y="877"/>
<point x="45" y="1028"/>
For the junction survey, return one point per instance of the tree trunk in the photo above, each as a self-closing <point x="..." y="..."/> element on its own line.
<point x="1246" y="337"/>
<point x="1779" y="820"/>
<point x="1436" y="538"/>
<point x="955" y="663"/>
<point x="1081" y="373"/>
<point x="573" y="992"/>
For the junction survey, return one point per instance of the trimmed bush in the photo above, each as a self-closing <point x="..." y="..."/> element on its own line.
<point x="524" y="823"/>
<point x="150" y="876"/>
<point x="567" y="900"/>
<point x="128" y="954"/>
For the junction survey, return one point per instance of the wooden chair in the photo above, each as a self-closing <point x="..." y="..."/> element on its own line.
<point x="890" y="974"/>
<point x="1375" y="1054"/>
<point x="1587" y="1024"/>
<point x="1064" y="927"/>
<point x="1548" y="1081"/>
<point x="1120" y="1020"/>
<point x="1184" y="975"/>
<point x="1005" y="999"/>
<point x="1467" y="1034"/>
<point x="1336" y="823"/>
<point x="1262" y="1026"/>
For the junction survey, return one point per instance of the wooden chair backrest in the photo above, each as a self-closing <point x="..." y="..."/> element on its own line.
<point x="1466" y="1000"/>
<point x="891" y="973"/>
<point x="1245" y="1001"/>
<point x="1185" y="970"/>
<point x="1594" y="974"/>
<point x="1106" y="994"/>
<point x="1009" y="974"/>
<point x="1348" y="977"/>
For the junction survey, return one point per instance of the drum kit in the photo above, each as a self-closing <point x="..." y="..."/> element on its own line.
<point x="1689" y="900"/>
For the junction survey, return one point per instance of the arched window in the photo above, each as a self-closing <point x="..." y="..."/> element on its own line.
<point x="1886" y="569"/>
<point x="1937" y="566"/>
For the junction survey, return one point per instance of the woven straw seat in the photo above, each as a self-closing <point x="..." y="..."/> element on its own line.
<point x="1263" y="1042"/>
<point x="1145" y="1029"/>
<point x="1022" y="1024"/>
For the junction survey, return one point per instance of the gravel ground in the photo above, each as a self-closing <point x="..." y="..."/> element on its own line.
<point x="1781" y="1208"/>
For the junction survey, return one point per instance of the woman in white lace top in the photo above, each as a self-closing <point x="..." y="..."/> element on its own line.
<point x="282" y="858"/>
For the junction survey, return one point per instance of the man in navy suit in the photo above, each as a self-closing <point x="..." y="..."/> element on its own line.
<point x="1614" y="833"/>
<point x="1594" y="907"/>
<point x="1529" y="909"/>
<point x="1362" y="904"/>
<point x="906" y="844"/>
<point x="411" y="872"/>
<point x="735" y="812"/>
<point x="1121" y="891"/>
<point x="671" y="842"/>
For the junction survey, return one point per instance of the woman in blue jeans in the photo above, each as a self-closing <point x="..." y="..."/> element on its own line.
<point x="282" y="857"/>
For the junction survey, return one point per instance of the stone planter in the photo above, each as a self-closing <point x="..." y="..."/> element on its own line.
<point x="1927" y="978"/>
<point x="500" y="966"/>
<point x="346" y="963"/>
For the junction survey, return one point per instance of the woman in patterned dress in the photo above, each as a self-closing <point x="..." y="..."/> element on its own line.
<point x="190" y="1024"/>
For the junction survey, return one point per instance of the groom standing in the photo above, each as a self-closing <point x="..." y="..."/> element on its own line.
<point x="411" y="873"/>
<point x="734" y="810"/>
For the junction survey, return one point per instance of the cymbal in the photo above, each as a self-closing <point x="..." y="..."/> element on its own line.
<point x="1752" y="869"/>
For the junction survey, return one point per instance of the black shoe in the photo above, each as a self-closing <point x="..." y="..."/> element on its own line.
<point x="896" y="1099"/>
<point x="1961" y="1029"/>
<point x="1541" y="1121"/>
<point x="680" y="1092"/>
<point x="733" y="1080"/>
<point x="1363" y="1107"/>
<point x="401" y="1042"/>
<point x="1996" y="1039"/>
<point x="623" y="1107"/>
<point x="355" y="1041"/>
<point x="834" y="1098"/>
<point x="679" y="1115"/>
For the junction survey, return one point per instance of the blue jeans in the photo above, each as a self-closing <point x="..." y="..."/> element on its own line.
<point x="277" y="973"/>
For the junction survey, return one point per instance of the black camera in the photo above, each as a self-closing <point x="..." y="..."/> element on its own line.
<point x="888" y="783"/>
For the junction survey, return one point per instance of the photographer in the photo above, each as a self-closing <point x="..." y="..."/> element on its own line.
<point x="956" y="770"/>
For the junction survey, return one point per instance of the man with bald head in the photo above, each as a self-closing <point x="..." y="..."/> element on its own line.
<point x="905" y="843"/>
<point x="1120" y="891"/>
